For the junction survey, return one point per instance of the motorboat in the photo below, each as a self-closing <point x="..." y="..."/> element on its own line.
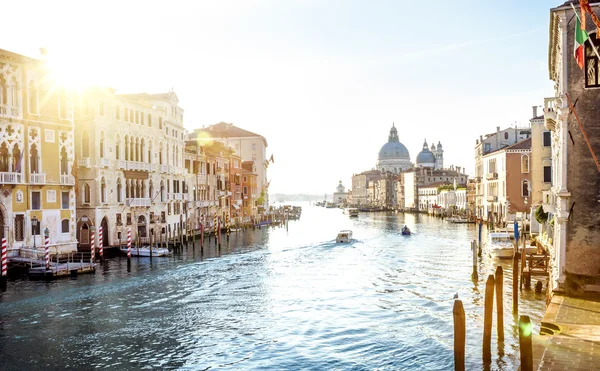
<point x="457" y="219"/>
<point x="344" y="236"/>
<point x="145" y="251"/>
<point x="406" y="231"/>
<point x="500" y="245"/>
<point x="353" y="213"/>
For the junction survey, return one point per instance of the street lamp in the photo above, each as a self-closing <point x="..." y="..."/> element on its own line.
<point x="34" y="224"/>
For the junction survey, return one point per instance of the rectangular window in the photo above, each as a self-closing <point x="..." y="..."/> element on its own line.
<point x="149" y="119"/>
<point x="64" y="200"/>
<point x="137" y="117"/>
<point x="547" y="139"/>
<point x="118" y="113"/>
<point x="245" y="190"/>
<point x="126" y="114"/>
<point x="142" y="118"/>
<point x="119" y="220"/>
<point x="254" y="146"/>
<point x="548" y="174"/>
<point x="160" y="122"/>
<point x="36" y="200"/>
<point x="51" y="196"/>
<point x="19" y="227"/>
<point x="254" y="157"/>
<point x="64" y="226"/>
<point x="101" y="108"/>
<point x="128" y="218"/>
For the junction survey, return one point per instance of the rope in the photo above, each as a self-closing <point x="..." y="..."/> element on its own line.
<point x="583" y="132"/>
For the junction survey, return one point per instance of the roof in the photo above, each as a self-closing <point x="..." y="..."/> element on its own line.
<point x="145" y="96"/>
<point x="227" y="130"/>
<point x="524" y="144"/>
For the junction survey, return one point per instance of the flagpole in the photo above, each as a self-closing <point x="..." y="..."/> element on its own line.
<point x="589" y="38"/>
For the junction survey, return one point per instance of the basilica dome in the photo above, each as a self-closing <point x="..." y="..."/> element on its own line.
<point x="426" y="158"/>
<point x="393" y="155"/>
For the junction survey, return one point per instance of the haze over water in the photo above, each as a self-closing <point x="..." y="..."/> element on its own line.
<point x="285" y="300"/>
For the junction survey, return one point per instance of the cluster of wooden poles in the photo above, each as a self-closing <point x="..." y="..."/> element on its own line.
<point x="493" y="283"/>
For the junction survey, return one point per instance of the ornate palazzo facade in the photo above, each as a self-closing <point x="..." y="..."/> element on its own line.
<point x="36" y="156"/>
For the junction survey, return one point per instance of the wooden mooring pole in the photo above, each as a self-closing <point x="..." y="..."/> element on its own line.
<point x="525" y="347"/>
<point x="474" y="275"/>
<point x="515" y="283"/>
<point x="458" y="312"/>
<point x="499" y="303"/>
<point x="487" y="318"/>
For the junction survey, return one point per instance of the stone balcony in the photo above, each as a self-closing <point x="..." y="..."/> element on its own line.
<point x="84" y="162"/>
<point x="491" y="176"/>
<point x="37" y="178"/>
<point x="139" y="202"/>
<point x="67" y="179"/>
<point x="492" y="198"/>
<point x="550" y="105"/>
<point x="11" y="178"/>
<point x="103" y="162"/>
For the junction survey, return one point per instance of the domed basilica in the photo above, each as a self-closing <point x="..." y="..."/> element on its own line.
<point x="394" y="157"/>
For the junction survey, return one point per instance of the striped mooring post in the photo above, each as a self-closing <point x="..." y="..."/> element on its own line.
<point x="100" y="242"/>
<point x="92" y="246"/>
<point x="128" y="243"/>
<point x="228" y="223"/>
<point x="216" y="227"/>
<point x="4" y="258"/>
<point x="47" y="251"/>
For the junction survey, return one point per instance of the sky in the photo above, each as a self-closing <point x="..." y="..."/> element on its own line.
<point x="322" y="81"/>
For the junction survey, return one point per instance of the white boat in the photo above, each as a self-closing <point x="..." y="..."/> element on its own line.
<point x="457" y="219"/>
<point x="500" y="245"/>
<point x="344" y="236"/>
<point x="353" y="213"/>
<point x="145" y="251"/>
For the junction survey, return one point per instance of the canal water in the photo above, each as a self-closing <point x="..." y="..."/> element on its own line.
<point x="271" y="299"/>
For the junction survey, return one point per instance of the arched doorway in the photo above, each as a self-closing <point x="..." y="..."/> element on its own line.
<point x="141" y="226"/>
<point x="84" y="234"/>
<point x="104" y="226"/>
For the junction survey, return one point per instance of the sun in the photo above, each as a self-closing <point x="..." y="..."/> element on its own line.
<point x="70" y="71"/>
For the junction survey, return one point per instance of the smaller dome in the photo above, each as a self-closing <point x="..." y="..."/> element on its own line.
<point x="439" y="146"/>
<point x="432" y="147"/>
<point x="425" y="157"/>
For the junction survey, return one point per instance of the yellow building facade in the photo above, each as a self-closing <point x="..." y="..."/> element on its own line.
<point x="36" y="156"/>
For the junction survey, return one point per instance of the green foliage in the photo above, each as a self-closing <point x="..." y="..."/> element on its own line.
<point x="261" y="199"/>
<point x="444" y="187"/>
<point x="540" y="215"/>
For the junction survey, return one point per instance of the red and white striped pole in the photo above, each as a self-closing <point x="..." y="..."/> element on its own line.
<point x="100" y="244"/>
<point x="47" y="250"/>
<point x="128" y="243"/>
<point x="4" y="257"/>
<point x="92" y="245"/>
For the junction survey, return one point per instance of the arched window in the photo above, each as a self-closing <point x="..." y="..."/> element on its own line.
<point x="34" y="160"/>
<point x="64" y="161"/>
<point x="4" y="158"/>
<point x="524" y="164"/>
<point x="162" y="191"/>
<point x="525" y="188"/>
<point x="506" y="135"/>
<point x="131" y="149"/>
<point x="160" y="156"/>
<point x="142" y="150"/>
<point x="137" y="149"/>
<point x="103" y="190"/>
<point x="150" y="190"/>
<point x="3" y="93"/>
<point x="17" y="160"/>
<point x="126" y="148"/>
<point x="85" y="144"/>
<point x="64" y="226"/>
<point x="127" y="191"/>
<point x="118" y="148"/>
<point x="87" y="193"/>
<point x="102" y="144"/>
<point x="119" y="190"/>
<point x="149" y="151"/>
<point x="592" y="73"/>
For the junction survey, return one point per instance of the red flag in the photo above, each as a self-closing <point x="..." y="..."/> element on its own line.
<point x="586" y="8"/>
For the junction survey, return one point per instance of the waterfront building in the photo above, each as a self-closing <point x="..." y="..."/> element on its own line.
<point x="36" y="156"/>
<point x="489" y="143"/>
<point x="573" y="199"/>
<point x="202" y="201"/>
<point x="452" y="200"/>
<point x="129" y="151"/>
<point x="393" y="155"/>
<point x="249" y="190"/>
<point x="385" y="195"/>
<point x="541" y="165"/>
<point x="428" y="197"/>
<point x="218" y="155"/>
<point x="235" y="189"/>
<point x="340" y="196"/>
<point x="247" y="145"/>
<point x="507" y="182"/>
<point x="360" y="186"/>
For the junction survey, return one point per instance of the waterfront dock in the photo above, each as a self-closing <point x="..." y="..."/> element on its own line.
<point x="570" y="337"/>
<point x="61" y="265"/>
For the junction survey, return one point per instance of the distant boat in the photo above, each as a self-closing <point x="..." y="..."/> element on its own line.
<point x="353" y="213"/>
<point x="406" y="231"/>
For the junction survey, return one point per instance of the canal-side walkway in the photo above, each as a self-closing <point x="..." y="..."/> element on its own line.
<point x="572" y="339"/>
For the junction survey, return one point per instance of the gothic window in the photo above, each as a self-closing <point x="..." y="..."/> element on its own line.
<point x="3" y="93"/>
<point x="150" y="190"/>
<point x="102" y="144"/>
<point x="149" y="151"/>
<point x="143" y="187"/>
<point x="142" y="150"/>
<point x="160" y="157"/>
<point x="162" y="191"/>
<point x="85" y="144"/>
<point x="19" y="227"/>
<point x="64" y="162"/>
<point x="127" y="194"/>
<point x="34" y="160"/>
<point x="131" y="149"/>
<point x="524" y="164"/>
<point x="119" y="190"/>
<point x="17" y="160"/>
<point x="4" y="158"/>
<point x="592" y="74"/>
<point x="87" y="193"/>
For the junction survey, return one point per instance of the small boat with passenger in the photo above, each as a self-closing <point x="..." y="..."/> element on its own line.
<point x="146" y="251"/>
<point x="406" y="231"/>
<point x="344" y="236"/>
<point x="353" y="213"/>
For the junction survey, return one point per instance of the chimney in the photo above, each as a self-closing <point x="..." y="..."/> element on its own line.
<point x="534" y="111"/>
